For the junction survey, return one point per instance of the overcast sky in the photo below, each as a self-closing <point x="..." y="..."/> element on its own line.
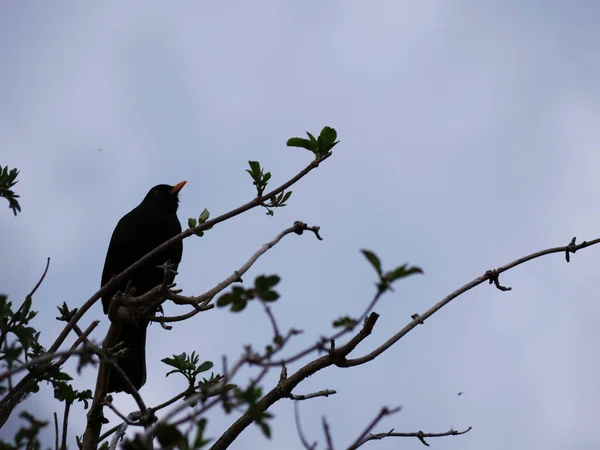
<point x="469" y="137"/>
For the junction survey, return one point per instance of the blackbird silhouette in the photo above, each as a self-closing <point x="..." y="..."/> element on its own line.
<point x="140" y="231"/>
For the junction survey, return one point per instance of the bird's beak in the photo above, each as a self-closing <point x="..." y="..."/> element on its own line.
<point x="177" y="188"/>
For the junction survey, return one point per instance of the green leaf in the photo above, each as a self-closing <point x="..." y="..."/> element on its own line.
<point x="200" y="440"/>
<point x="401" y="272"/>
<point x="254" y="167"/>
<point x="61" y="376"/>
<point x="264" y="283"/>
<point x="265" y="429"/>
<point x="192" y="222"/>
<point x="345" y="322"/>
<point x="239" y="305"/>
<point x="204" y="216"/>
<point x="168" y="435"/>
<point x="177" y="361"/>
<point x="224" y="300"/>
<point x="269" y="296"/>
<point x="302" y="143"/>
<point x="206" y="365"/>
<point x="328" y="136"/>
<point x="404" y="271"/>
<point x="373" y="259"/>
<point x="287" y="195"/>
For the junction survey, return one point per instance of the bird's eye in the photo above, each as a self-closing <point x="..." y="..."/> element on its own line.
<point x="157" y="193"/>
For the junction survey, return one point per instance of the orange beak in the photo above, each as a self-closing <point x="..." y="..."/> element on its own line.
<point x="177" y="188"/>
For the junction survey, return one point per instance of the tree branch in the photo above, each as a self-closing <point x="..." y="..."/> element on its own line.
<point x="14" y="396"/>
<point x="490" y="275"/>
<point x="285" y="385"/>
<point x="419" y="435"/>
<point x="301" y="435"/>
<point x="385" y="411"/>
<point x="323" y="393"/>
<point x="39" y="283"/>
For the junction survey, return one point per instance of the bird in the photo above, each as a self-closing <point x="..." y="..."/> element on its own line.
<point x="140" y="231"/>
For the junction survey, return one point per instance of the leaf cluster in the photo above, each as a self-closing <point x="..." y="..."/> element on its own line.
<point x="14" y="352"/>
<point x="204" y="215"/>
<point x="387" y="278"/>
<point x="26" y="436"/>
<point x="319" y="146"/>
<point x="239" y="297"/>
<point x="8" y="179"/>
<point x="260" y="179"/>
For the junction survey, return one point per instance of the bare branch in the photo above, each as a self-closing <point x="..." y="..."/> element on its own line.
<point x="327" y="434"/>
<point x="271" y="317"/>
<point x="203" y="299"/>
<point x="490" y="275"/>
<point x="109" y="432"/>
<point x="323" y="393"/>
<point x="39" y="283"/>
<point x="132" y="390"/>
<point x="285" y="385"/>
<point x="385" y="411"/>
<point x="55" y="430"/>
<point x="301" y="435"/>
<point x="319" y="345"/>
<point x="45" y="358"/>
<point x="65" y="425"/>
<point x="122" y="416"/>
<point x="419" y="435"/>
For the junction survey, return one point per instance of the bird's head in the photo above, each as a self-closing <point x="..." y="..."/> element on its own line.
<point x="164" y="197"/>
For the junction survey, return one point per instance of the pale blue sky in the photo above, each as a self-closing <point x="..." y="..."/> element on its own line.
<point x="469" y="138"/>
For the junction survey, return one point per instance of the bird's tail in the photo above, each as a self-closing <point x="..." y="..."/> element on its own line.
<point x="133" y="363"/>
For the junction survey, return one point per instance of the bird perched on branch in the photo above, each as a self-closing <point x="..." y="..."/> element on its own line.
<point x="140" y="231"/>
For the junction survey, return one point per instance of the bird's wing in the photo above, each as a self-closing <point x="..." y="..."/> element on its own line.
<point x="122" y="252"/>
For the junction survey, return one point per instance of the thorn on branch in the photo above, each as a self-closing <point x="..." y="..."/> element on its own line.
<point x="421" y="437"/>
<point x="493" y="277"/>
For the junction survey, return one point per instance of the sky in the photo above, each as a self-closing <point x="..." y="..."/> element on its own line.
<point x="469" y="137"/>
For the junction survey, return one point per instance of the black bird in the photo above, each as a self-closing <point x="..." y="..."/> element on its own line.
<point x="140" y="231"/>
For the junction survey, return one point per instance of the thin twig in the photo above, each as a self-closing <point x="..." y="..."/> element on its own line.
<point x="119" y="413"/>
<point x="234" y="277"/>
<point x="108" y="433"/>
<point x="418" y="434"/>
<point x="35" y="288"/>
<point x="271" y="317"/>
<point x="385" y="411"/>
<point x="420" y="318"/>
<point x="301" y="435"/>
<point x="43" y="359"/>
<point x="286" y="385"/>
<point x="327" y="434"/>
<point x="65" y="425"/>
<point x="323" y="393"/>
<point x="14" y="396"/>
<point x="55" y="430"/>
<point x="319" y="344"/>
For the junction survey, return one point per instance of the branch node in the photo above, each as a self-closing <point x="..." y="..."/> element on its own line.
<point x="571" y="248"/>
<point x="417" y="317"/>
<point x="493" y="277"/>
